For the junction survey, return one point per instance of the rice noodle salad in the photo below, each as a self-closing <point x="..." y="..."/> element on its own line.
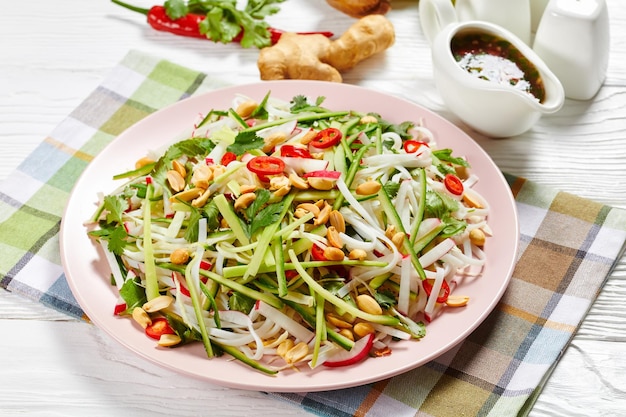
<point x="290" y="236"/>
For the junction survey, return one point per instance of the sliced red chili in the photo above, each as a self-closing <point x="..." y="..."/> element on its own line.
<point x="228" y="157"/>
<point x="327" y="138"/>
<point x="294" y="152"/>
<point x="411" y="146"/>
<point x="158" y="328"/>
<point x="443" y="293"/>
<point x="119" y="309"/>
<point x="291" y="273"/>
<point x="265" y="166"/>
<point x="453" y="184"/>
<point x="317" y="253"/>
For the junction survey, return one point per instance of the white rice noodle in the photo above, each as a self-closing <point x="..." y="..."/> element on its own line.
<point x="297" y="330"/>
<point x="352" y="243"/>
<point x="437" y="252"/>
<point x="286" y="128"/>
<point x="390" y="331"/>
<point x="393" y="136"/>
<point x="432" y="300"/>
<point x="354" y="204"/>
<point x="175" y="225"/>
<point x="404" y="293"/>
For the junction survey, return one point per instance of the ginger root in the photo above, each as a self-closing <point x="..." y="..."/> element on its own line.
<point x="361" y="8"/>
<point x="315" y="57"/>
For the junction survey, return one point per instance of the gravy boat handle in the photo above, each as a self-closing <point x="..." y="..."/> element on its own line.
<point x="435" y="15"/>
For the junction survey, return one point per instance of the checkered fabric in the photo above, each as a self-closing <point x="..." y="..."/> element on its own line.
<point x="568" y="248"/>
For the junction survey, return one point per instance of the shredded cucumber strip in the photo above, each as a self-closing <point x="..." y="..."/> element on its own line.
<point x="328" y="296"/>
<point x="264" y="241"/>
<point x="197" y="307"/>
<point x="152" y="283"/>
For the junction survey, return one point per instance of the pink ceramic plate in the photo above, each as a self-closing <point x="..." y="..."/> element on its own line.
<point x="88" y="274"/>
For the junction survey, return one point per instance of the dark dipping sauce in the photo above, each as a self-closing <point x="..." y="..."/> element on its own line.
<point x="496" y="60"/>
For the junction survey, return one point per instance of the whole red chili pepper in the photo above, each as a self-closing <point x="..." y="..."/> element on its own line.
<point x="189" y="25"/>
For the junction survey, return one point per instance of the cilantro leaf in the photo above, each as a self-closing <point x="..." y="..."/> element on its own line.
<point x="385" y="298"/>
<point x="300" y="103"/>
<point x="194" y="147"/>
<point x="115" y="208"/>
<point x="260" y="214"/>
<point x="210" y="212"/>
<point x="186" y="333"/>
<point x="240" y="302"/>
<point x="445" y="155"/>
<point x="115" y="236"/>
<point x="133" y="293"/>
<point x="439" y="205"/>
<point x="268" y="215"/>
<point x="175" y="9"/>
<point x="244" y="142"/>
<point x="392" y="188"/>
<point x="259" y="9"/>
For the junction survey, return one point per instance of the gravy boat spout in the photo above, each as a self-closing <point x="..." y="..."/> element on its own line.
<point x="486" y="75"/>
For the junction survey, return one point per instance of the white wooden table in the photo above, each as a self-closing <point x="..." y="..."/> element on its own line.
<point x="53" y="53"/>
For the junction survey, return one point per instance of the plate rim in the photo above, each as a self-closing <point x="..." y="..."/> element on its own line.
<point x="284" y="384"/>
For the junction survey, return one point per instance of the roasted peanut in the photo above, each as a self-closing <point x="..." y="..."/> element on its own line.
<point x="477" y="237"/>
<point x="320" y="183"/>
<point x="158" y="303"/>
<point x="272" y="140"/>
<point x="368" y="188"/>
<point x="298" y="182"/>
<point x="278" y="182"/>
<point x="180" y="168"/>
<point x="142" y="162"/>
<point x="175" y="180"/>
<point x="201" y="201"/>
<point x="309" y="208"/>
<point x="282" y="191"/>
<point x="297" y="353"/>
<point x="471" y="201"/>
<point x="308" y="137"/>
<point x="337" y="221"/>
<point x="141" y="317"/>
<point x="179" y="256"/>
<point x="300" y="213"/>
<point x="332" y="235"/>
<point x="284" y="347"/>
<point x="338" y="322"/>
<point x="168" y="340"/>
<point x="366" y="303"/>
<point x="363" y="329"/>
<point x="202" y="175"/>
<point x="247" y="188"/>
<point x="368" y="119"/>
<point x="398" y="239"/>
<point x="333" y="254"/>
<point x="357" y="255"/>
<point x="187" y="195"/>
<point x="347" y="333"/>
<point x="324" y="215"/>
<point x="457" y="300"/>
<point x="246" y="108"/>
<point x="244" y="200"/>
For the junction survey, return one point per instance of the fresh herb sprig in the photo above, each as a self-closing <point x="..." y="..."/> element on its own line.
<point x="224" y="21"/>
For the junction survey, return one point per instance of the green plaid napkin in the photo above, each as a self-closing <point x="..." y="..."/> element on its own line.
<point x="568" y="248"/>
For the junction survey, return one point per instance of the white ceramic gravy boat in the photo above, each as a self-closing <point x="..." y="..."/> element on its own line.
<point x="491" y="108"/>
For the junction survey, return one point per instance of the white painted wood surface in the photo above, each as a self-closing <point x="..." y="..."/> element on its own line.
<point x="53" y="53"/>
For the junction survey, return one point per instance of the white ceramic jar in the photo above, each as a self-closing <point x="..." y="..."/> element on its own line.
<point x="573" y="40"/>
